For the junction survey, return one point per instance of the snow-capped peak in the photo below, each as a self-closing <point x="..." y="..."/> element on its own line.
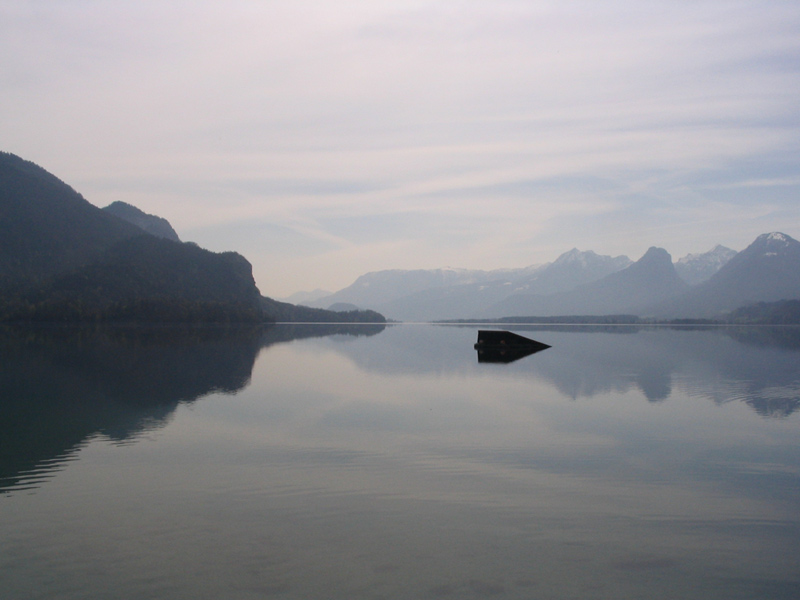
<point x="777" y="236"/>
<point x="775" y="242"/>
<point x="695" y="268"/>
<point x="718" y="256"/>
<point x="575" y="256"/>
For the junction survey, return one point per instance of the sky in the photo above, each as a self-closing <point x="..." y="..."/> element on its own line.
<point x="324" y="140"/>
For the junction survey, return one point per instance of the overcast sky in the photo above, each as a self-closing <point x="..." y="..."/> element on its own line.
<point x="323" y="140"/>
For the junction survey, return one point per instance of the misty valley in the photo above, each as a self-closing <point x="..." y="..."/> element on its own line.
<point x="389" y="461"/>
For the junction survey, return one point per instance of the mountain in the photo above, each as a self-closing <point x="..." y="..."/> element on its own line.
<point x="46" y="227"/>
<point x="152" y="224"/>
<point x="650" y="279"/>
<point x="425" y="295"/>
<point x="146" y="278"/>
<point x="382" y="287"/>
<point x="768" y="270"/>
<point x="703" y="285"/>
<point x="306" y="297"/>
<point x="62" y="258"/>
<point x="570" y="270"/>
<point x="696" y="268"/>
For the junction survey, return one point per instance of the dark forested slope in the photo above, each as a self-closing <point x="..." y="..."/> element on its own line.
<point x="46" y="227"/>
<point x="62" y="258"/>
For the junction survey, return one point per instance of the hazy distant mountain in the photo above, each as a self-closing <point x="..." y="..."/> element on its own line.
<point x="570" y="270"/>
<point x="696" y="268"/>
<point x="446" y="302"/>
<point x="426" y="295"/>
<point x="157" y="226"/>
<point x="381" y="287"/>
<point x="651" y="279"/>
<point x="768" y="270"/>
<point x="584" y="283"/>
<point x="305" y="297"/>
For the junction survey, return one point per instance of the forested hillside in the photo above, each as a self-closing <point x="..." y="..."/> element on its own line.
<point x="64" y="259"/>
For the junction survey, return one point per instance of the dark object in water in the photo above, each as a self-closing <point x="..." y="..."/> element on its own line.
<point x="504" y="346"/>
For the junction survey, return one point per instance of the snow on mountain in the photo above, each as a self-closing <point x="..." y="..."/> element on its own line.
<point x="651" y="278"/>
<point x="451" y="293"/>
<point x="696" y="268"/>
<point x="380" y="287"/>
<point x="587" y="283"/>
<point x="768" y="270"/>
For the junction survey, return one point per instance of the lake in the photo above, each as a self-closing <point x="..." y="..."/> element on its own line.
<point x="387" y="462"/>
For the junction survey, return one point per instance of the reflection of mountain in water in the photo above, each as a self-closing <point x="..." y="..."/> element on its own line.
<point x="767" y="374"/>
<point x="60" y="387"/>
<point x="757" y="364"/>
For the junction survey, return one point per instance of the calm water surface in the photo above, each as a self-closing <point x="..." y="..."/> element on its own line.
<point x="370" y="462"/>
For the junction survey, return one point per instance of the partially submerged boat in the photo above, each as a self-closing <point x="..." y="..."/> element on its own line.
<point x="505" y="346"/>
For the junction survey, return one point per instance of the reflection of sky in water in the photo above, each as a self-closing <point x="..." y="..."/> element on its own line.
<point x="397" y="466"/>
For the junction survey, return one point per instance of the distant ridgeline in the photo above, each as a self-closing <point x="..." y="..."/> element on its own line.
<point x="756" y="285"/>
<point x="64" y="259"/>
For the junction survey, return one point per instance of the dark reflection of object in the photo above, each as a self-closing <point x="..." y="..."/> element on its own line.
<point x="503" y="355"/>
<point x="60" y="387"/>
<point x="505" y="346"/>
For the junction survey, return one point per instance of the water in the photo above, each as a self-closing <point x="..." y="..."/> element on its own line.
<point x="371" y="462"/>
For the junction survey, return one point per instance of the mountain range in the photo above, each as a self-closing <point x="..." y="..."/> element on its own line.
<point x="64" y="259"/>
<point x="768" y="270"/>
<point x="703" y="285"/>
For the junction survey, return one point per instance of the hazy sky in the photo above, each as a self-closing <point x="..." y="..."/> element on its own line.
<point x="326" y="139"/>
